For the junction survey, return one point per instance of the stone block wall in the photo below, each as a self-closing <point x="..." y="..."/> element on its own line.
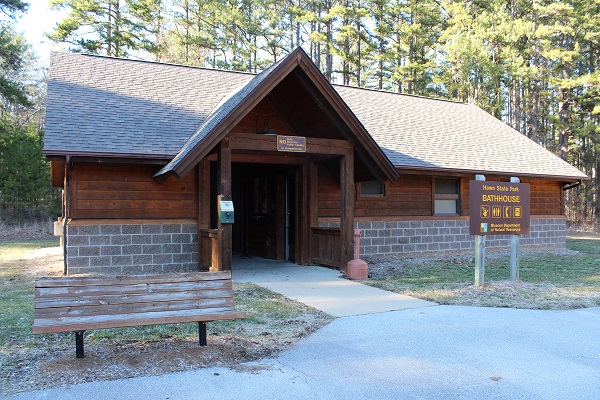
<point x="392" y="237"/>
<point x="132" y="248"/>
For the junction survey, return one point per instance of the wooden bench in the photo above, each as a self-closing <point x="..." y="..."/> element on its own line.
<point x="77" y="304"/>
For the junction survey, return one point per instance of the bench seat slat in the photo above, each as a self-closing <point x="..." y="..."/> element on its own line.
<point x="76" y="304"/>
<point x="131" y="279"/>
<point x="139" y="288"/>
<point x="56" y="325"/>
<point x="125" y="298"/>
<point x="111" y="309"/>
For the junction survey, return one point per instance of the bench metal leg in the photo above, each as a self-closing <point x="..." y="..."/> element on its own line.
<point x="202" y="333"/>
<point x="79" y="344"/>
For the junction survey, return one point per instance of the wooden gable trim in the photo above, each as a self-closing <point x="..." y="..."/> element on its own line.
<point x="212" y="139"/>
<point x="298" y="58"/>
<point x="340" y="106"/>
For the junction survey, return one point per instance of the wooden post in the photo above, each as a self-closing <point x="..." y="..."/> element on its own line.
<point x="204" y="200"/>
<point x="204" y="194"/>
<point x="303" y="184"/>
<point x="225" y="230"/>
<point x="306" y="210"/>
<point x="514" y="249"/>
<point x="479" y="251"/>
<point x="347" y="210"/>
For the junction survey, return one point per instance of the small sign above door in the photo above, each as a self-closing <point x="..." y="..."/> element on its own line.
<point x="291" y="143"/>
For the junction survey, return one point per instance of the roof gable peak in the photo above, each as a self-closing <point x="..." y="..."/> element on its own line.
<point x="238" y="103"/>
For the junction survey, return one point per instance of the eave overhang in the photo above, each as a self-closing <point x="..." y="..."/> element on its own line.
<point x="234" y="107"/>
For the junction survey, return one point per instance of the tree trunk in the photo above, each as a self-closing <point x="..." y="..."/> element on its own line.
<point x="328" y="55"/>
<point x="565" y="131"/>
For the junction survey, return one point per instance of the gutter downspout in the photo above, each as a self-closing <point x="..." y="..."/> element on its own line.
<point x="571" y="185"/>
<point x="66" y="216"/>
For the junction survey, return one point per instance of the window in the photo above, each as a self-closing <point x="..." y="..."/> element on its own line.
<point x="372" y="188"/>
<point x="446" y="197"/>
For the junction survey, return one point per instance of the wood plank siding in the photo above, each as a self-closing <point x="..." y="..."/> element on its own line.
<point x="263" y="118"/>
<point x="57" y="173"/>
<point x="412" y="196"/>
<point x="545" y="196"/>
<point x="126" y="191"/>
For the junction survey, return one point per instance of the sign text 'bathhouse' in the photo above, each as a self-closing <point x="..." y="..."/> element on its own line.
<point x="499" y="208"/>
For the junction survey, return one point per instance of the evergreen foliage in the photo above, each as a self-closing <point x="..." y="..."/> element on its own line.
<point x="25" y="189"/>
<point x="532" y="63"/>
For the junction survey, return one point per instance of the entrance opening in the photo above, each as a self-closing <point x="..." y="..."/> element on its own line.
<point x="264" y="197"/>
<point x="290" y="218"/>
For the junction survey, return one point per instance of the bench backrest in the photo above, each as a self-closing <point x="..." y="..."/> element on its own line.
<point x="137" y="294"/>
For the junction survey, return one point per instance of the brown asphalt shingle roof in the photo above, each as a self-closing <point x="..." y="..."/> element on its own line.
<point x="109" y="106"/>
<point x="417" y="132"/>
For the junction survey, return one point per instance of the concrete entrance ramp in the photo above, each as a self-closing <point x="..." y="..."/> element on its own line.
<point x="321" y="288"/>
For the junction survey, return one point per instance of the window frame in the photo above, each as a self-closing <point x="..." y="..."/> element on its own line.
<point x="375" y="195"/>
<point x="446" y="196"/>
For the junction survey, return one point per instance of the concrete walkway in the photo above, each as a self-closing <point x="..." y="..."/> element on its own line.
<point x="433" y="353"/>
<point x="321" y="288"/>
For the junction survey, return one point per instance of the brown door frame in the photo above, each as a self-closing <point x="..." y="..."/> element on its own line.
<point x="263" y="149"/>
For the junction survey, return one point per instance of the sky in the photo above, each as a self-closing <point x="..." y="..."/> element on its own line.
<point x="33" y="24"/>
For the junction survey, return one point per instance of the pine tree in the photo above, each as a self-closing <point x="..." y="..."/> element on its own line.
<point x="13" y="57"/>
<point x="111" y="27"/>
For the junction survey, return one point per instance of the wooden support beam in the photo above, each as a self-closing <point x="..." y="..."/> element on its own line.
<point x="73" y="188"/>
<point x="313" y="193"/>
<point x="225" y="230"/>
<point x="347" y="210"/>
<point x="203" y="208"/>
<point x="303" y="247"/>
<point x="204" y="194"/>
<point x="266" y="158"/>
<point x="256" y="142"/>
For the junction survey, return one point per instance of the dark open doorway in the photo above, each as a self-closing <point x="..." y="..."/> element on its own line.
<point x="265" y="202"/>
<point x="290" y="218"/>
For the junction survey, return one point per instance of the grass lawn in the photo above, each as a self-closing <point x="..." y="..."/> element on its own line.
<point x="547" y="281"/>
<point x="29" y="362"/>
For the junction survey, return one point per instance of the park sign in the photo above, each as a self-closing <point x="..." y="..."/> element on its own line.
<point x="291" y="143"/>
<point x="499" y="208"/>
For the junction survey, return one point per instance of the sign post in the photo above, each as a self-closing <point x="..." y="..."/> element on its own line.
<point x="479" y="251"/>
<point x="514" y="249"/>
<point x="498" y="208"/>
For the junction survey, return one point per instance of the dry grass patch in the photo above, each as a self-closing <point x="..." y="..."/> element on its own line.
<point x="29" y="362"/>
<point x="548" y="281"/>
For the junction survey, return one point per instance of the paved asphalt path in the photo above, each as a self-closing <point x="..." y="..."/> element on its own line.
<point x="443" y="352"/>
